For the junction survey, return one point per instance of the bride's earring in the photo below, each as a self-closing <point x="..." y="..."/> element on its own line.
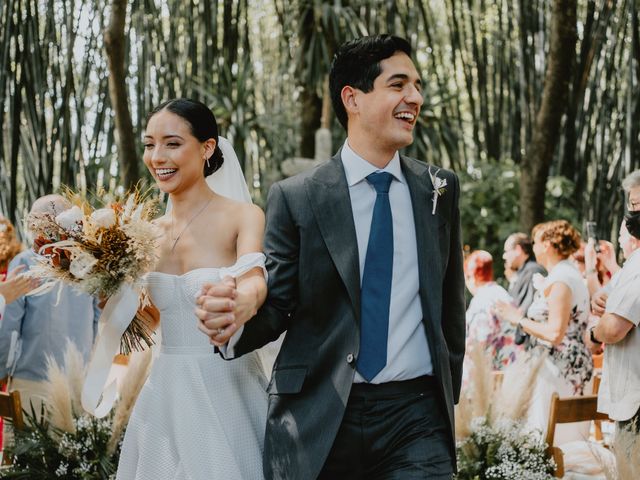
<point x="207" y="160"/>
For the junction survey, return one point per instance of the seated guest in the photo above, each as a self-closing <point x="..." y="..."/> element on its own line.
<point x="556" y="322"/>
<point x="483" y="327"/>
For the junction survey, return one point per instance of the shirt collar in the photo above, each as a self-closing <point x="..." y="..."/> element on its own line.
<point x="357" y="168"/>
<point x="634" y="254"/>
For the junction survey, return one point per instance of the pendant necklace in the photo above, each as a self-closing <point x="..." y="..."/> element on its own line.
<point x="175" y="240"/>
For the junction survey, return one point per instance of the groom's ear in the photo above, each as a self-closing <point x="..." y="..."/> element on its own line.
<point x="349" y="96"/>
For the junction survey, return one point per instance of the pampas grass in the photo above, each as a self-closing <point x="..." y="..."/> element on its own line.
<point x="137" y="372"/>
<point x="59" y="404"/>
<point x="514" y="396"/>
<point x="75" y="369"/>
<point x="510" y="400"/>
<point x="626" y="448"/>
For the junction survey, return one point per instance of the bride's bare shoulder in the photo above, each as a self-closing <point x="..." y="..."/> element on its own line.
<point x="241" y="208"/>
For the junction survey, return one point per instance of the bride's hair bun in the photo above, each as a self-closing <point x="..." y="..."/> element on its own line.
<point x="202" y="122"/>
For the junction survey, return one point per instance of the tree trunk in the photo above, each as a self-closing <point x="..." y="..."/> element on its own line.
<point x="114" y="41"/>
<point x="311" y="110"/>
<point x="546" y="132"/>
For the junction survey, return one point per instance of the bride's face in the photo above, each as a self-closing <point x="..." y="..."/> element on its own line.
<point x="172" y="154"/>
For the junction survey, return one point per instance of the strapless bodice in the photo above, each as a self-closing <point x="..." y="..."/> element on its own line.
<point x="175" y="298"/>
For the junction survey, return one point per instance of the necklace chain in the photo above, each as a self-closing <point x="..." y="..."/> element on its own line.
<point x="175" y="240"/>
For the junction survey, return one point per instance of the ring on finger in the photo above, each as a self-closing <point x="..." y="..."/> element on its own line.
<point x="220" y="331"/>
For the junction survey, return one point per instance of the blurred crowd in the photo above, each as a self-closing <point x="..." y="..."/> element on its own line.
<point x="571" y="301"/>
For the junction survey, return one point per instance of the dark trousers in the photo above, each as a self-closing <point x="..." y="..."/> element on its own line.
<point x="396" y="430"/>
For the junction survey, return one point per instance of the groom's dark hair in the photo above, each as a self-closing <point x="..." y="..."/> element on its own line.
<point x="202" y="122"/>
<point x="357" y="64"/>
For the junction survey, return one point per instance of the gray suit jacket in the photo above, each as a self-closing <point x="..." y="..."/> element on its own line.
<point x="314" y="294"/>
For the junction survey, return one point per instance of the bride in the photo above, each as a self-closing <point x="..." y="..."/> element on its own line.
<point x="198" y="416"/>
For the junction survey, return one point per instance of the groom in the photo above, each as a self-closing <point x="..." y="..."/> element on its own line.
<point x="365" y="276"/>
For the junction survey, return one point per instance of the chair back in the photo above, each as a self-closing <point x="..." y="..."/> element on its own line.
<point x="569" y="410"/>
<point x="11" y="408"/>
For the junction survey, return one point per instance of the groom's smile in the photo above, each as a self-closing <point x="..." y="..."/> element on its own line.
<point x="386" y="115"/>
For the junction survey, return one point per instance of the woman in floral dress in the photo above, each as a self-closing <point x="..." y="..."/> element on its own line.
<point x="484" y="328"/>
<point x="556" y="322"/>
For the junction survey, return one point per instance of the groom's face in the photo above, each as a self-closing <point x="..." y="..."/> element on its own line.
<point x="387" y="115"/>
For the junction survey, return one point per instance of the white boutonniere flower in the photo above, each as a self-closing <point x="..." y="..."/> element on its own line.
<point x="439" y="188"/>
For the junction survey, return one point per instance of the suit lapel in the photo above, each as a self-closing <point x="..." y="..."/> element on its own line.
<point x="329" y="198"/>
<point x="427" y="235"/>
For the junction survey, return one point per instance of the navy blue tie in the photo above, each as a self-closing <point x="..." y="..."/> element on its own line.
<point x="376" y="282"/>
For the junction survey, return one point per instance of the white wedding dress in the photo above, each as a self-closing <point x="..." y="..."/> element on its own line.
<point x="198" y="416"/>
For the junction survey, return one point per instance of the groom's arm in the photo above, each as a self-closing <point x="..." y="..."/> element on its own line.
<point x="453" y="304"/>
<point x="282" y="247"/>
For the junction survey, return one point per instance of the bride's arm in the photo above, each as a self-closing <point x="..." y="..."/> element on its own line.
<point x="251" y="287"/>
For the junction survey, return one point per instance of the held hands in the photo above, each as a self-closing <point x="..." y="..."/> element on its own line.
<point x="216" y="310"/>
<point x="507" y="312"/>
<point x="17" y="284"/>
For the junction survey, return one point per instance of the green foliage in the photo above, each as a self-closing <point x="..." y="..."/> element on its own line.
<point x="502" y="451"/>
<point x="489" y="205"/>
<point x="43" y="452"/>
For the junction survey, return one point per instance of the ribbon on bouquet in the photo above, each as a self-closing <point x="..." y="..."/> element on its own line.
<point x="98" y="397"/>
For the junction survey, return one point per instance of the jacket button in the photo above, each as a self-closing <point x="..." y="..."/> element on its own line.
<point x="350" y="358"/>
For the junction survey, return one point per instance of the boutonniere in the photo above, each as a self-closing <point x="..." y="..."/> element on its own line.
<point x="439" y="187"/>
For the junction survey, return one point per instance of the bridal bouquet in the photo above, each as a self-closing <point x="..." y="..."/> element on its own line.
<point x="98" y="251"/>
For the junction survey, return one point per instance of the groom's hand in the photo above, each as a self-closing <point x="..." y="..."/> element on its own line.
<point x="215" y="310"/>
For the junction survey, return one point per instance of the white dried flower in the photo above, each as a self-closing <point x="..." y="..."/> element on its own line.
<point x="103" y="217"/>
<point x="81" y="265"/>
<point x="70" y="218"/>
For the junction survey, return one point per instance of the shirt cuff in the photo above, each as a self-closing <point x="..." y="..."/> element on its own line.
<point x="227" y="350"/>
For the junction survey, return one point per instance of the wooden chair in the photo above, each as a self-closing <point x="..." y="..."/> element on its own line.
<point x="569" y="410"/>
<point x="11" y="408"/>
<point x="597" y="424"/>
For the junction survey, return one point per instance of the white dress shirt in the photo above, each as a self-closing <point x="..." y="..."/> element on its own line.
<point x="408" y="353"/>
<point x="619" y="393"/>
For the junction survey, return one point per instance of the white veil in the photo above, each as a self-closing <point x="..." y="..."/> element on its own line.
<point x="229" y="180"/>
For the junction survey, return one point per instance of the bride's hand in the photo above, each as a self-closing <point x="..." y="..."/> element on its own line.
<point x="215" y="310"/>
